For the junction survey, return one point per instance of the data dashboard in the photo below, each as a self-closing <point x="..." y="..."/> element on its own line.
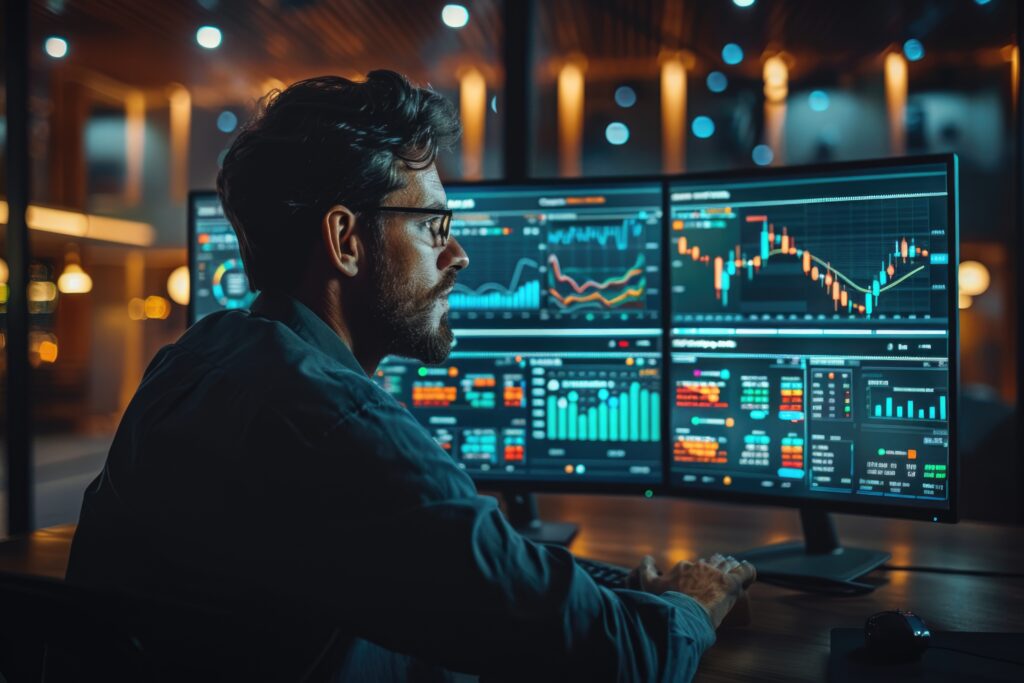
<point x="556" y="374"/>
<point x="810" y="337"/>
<point x="786" y="335"/>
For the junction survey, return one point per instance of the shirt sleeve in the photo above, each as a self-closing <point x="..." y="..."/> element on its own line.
<point x="396" y="541"/>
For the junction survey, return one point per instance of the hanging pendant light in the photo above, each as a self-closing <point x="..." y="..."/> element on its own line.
<point x="74" y="280"/>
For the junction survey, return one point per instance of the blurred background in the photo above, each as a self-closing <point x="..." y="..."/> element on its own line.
<point x="132" y="104"/>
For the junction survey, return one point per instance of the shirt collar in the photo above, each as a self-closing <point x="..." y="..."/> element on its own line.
<point x="307" y="324"/>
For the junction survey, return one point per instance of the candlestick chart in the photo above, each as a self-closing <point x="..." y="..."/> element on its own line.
<point x="808" y="260"/>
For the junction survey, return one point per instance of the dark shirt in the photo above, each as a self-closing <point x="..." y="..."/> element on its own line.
<point x="258" y="462"/>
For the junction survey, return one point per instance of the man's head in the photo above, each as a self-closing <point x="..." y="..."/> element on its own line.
<point x="307" y="185"/>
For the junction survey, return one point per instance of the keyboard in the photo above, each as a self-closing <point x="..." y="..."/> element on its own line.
<point x="607" y="575"/>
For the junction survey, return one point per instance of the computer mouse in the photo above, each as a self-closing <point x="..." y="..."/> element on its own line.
<point x="896" y="635"/>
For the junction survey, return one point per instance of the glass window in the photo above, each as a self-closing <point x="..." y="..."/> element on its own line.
<point x="125" y="133"/>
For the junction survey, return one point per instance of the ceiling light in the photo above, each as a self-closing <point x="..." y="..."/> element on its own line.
<point x="74" y="280"/>
<point x="455" y="16"/>
<point x="56" y="47"/>
<point x="209" y="37"/>
<point x="617" y="133"/>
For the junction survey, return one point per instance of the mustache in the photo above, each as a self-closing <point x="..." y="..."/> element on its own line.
<point x="447" y="282"/>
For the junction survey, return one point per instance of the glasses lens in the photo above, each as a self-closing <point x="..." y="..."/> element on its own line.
<point x="446" y="227"/>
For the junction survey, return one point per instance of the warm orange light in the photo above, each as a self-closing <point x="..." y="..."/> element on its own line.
<point x="570" y="120"/>
<point x="473" y="113"/>
<point x="965" y="300"/>
<point x="75" y="224"/>
<point x="135" y="143"/>
<point x="974" y="278"/>
<point x="74" y="280"/>
<point x="896" y="100"/>
<point x="776" y="79"/>
<point x="776" y="89"/>
<point x="48" y="352"/>
<point x="42" y="347"/>
<point x="673" y="116"/>
<point x="271" y="84"/>
<point x="136" y="308"/>
<point x="178" y="285"/>
<point x="180" y="124"/>
<point x="157" y="307"/>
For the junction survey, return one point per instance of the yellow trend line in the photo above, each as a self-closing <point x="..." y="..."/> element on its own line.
<point x="635" y="293"/>
<point x="847" y="280"/>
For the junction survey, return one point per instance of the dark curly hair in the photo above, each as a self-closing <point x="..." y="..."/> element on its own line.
<point x="320" y="142"/>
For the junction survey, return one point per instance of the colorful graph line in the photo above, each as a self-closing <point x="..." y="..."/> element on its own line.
<point x="595" y="292"/>
<point x="556" y="271"/>
<point x="836" y="285"/>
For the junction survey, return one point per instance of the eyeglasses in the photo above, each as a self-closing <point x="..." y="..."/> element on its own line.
<point x="440" y="233"/>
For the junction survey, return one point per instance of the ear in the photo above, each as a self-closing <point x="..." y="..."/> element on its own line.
<point x="343" y="247"/>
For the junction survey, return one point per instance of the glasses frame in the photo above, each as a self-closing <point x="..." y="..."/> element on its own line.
<point x="446" y="214"/>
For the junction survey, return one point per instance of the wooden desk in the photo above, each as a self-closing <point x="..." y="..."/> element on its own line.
<point x="789" y="637"/>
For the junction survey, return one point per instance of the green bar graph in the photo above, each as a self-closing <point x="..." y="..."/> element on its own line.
<point x="910" y="409"/>
<point x="563" y="432"/>
<point x="623" y="417"/>
<point x="552" y="411"/>
<point x="655" y="416"/>
<point x="645" y="424"/>
<point x="633" y="414"/>
<point x="613" y="419"/>
<point x="574" y="401"/>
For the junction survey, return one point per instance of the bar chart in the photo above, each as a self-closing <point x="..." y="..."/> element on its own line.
<point x="893" y="408"/>
<point x="601" y="405"/>
<point x="921" y="395"/>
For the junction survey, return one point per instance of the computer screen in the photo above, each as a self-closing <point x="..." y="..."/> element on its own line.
<point x="217" y="277"/>
<point x="556" y="374"/>
<point x="813" y="335"/>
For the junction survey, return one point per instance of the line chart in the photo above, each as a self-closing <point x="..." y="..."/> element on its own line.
<point x="612" y="292"/>
<point x="869" y="260"/>
<point x="628" y="229"/>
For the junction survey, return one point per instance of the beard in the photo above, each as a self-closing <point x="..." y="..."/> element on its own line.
<point x="403" y="315"/>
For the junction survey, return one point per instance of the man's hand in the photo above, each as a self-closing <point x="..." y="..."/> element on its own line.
<point x="717" y="584"/>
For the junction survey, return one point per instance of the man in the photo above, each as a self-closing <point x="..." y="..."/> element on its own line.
<point x="258" y="461"/>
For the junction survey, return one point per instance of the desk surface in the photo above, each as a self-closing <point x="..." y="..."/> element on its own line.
<point x="789" y="637"/>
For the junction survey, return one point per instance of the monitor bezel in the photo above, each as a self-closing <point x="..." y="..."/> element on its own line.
<point x="859" y="507"/>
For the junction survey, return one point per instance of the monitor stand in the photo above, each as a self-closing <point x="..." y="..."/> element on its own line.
<point x="521" y="509"/>
<point x="819" y="557"/>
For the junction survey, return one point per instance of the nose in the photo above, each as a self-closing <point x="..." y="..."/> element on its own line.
<point x="453" y="256"/>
